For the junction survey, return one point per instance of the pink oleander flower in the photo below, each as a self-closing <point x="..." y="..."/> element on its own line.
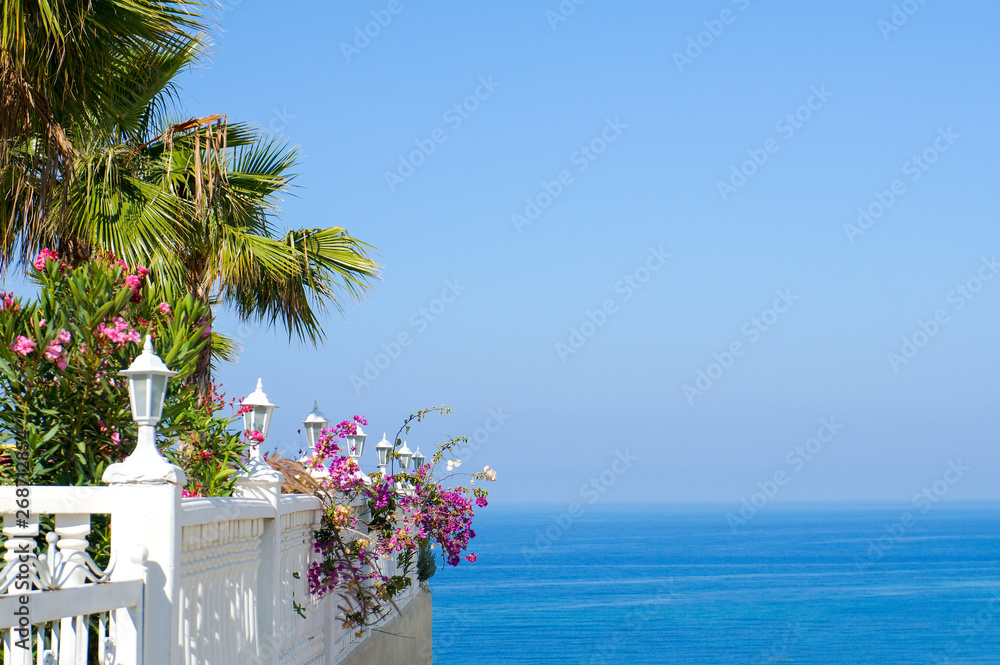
<point x="142" y="271"/>
<point x="53" y="351"/>
<point x="9" y="302"/>
<point x="121" y="332"/>
<point x="23" y="345"/>
<point x="43" y="258"/>
<point x="116" y="438"/>
<point x="121" y="264"/>
<point x="62" y="364"/>
<point x="133" y="282"/>
<point x="256" y="436"/>
<point x="164" y="308"/>
<point x="63" y="337"/>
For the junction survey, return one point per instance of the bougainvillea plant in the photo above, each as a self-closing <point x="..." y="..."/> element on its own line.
<point x="372" y="522"/>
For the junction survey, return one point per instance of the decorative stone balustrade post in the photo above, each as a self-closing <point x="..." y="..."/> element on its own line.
<point x="262" y="482"/>
<point x="148" y="490"/>
<point x="149" y="518"/>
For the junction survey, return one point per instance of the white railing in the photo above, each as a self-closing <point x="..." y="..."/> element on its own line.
<point x="50" y="596"/>
<point x="201" y="581"/>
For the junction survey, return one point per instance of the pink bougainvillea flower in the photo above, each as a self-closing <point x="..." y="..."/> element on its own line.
<point x="23" y="345"/>
<point x="43" y="258"/>
<point x="481" y="501"/>
<point x="471" y="558"/>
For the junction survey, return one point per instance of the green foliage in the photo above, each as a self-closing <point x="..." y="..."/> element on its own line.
<point x="195" y="437"/>
<point x="426" y="563"/>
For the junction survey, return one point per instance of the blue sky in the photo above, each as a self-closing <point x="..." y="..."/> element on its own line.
<point x="825" y="107"/>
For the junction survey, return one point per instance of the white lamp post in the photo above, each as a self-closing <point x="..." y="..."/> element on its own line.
<point x="258" y="479"/>
<point x="356" y="444"/>
<point x="405" y="457"/>
<point x="147" y="388"/>
<point x="314" y="423"/>
<point x="258" y="418"/>
<point x="383" y="448"/>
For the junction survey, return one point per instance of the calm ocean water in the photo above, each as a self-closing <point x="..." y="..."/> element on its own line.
<point x="842" y="586"/>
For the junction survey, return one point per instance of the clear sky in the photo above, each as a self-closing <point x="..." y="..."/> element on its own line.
<point x="582" y="207"/>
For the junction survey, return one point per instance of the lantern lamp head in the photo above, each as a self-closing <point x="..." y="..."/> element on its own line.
<point x="418" y="459"/>
<point x="383" y="448"/>
<point x="147" y="385"/>
<point x="315" y="423"/>
<point x="258" y="417"/>
<point x="405" y="457"/>
<point x="356" y="443"/>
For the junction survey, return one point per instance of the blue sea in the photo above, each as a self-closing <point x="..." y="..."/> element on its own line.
<point x="623" y="584"/>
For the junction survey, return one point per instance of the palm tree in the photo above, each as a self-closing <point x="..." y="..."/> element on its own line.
<point x="70" y="67"/>
<point x="196" y="204"/>
<point x="194" y="201"/>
